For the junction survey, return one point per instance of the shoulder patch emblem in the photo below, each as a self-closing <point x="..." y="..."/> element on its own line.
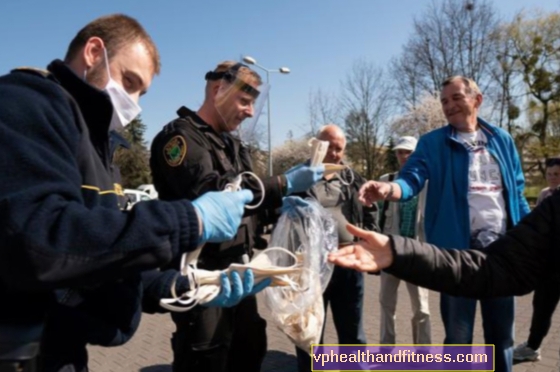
<point x="175" y="150"/>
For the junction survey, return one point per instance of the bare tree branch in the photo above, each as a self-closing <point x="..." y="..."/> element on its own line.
<point x="323" y="108"/>
<point x="365" y="101"/>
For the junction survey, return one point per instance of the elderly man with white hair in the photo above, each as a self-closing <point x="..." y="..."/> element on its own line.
<point x="338" y="193"/>
<point x="475" y="195"/>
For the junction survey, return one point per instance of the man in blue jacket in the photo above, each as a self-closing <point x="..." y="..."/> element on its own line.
<point x="70" y="259"/>
<point x="475" y="195"/>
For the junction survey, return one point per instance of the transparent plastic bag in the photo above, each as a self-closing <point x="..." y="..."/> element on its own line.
<point x="310" y="232"/>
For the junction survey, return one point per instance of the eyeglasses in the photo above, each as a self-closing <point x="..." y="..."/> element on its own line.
<point x="550" y="162"/>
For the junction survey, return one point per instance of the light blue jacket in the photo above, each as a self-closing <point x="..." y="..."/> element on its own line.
<point x="442" y="159"/>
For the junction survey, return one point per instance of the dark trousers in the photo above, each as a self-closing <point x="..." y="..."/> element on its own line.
<point x="345" y="294"/>
<point x="219" y="339"/>
<point x="19" y="366"/>
<point x="458" y="315"/>
<point x="545" y="300"/>
<point x="73" y="359"/>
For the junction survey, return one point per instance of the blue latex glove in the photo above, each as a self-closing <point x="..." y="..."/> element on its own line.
<point x="232" y="292"/>
<point x="295" y="207"/>
<point x="301" y="177"/>
<point x="291" y="202"/>
<point x="221" y="214"/>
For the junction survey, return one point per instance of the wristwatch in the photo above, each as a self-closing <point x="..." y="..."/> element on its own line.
<point x="390" y="194"/>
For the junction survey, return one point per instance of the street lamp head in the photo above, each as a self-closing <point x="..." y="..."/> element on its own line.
<point x="249" y="60"/>
<point x="284" y="70"/>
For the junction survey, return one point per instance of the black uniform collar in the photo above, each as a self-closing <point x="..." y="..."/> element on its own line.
<point x="197" y="121"/>
<point x="95" y="105"/>
<point x="185" y="112"/>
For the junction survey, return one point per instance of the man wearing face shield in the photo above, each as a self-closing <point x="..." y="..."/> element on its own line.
<point x="195" y="154"/>
<point x="70" y="259"/>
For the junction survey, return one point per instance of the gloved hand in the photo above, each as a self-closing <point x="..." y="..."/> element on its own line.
<point x="301" y="177"/>
<point x="231" y="293"/>
<point x="295" y="207"/>
<point x="291" y="202"/>
<point x="221" y="213"/>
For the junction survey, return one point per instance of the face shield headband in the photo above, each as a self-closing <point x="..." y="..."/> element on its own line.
<point x="231" y="77"/>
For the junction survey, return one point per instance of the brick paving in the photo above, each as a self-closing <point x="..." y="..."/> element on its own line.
<point x="149" y="350"/>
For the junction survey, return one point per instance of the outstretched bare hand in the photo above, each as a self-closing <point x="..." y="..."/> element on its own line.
<point x="372" y="253"/>
<point x="373" y="191"/>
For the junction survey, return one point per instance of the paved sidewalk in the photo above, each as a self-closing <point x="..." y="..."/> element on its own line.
<point x="149" y="350"/>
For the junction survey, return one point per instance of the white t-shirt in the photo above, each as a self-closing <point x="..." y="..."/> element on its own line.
<point x="487" y="208"/>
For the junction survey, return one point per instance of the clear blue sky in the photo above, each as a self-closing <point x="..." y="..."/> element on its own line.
<point x="317" y="39"/>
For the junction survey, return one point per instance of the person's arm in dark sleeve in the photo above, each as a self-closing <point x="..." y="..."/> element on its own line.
<point x="50" y="239"/>
<point x="157" y="285"/>
<point x="274" y="189"/>
<point x="512" y="265"/>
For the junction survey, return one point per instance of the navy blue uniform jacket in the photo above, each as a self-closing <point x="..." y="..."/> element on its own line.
<point x="60" y="226"/>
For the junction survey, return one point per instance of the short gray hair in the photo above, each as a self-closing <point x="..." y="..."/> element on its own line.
<point x="470" y="85"/>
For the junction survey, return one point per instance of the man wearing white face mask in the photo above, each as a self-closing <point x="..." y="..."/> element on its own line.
<point x="70" y="259"/>
<point x="125" y="108"/>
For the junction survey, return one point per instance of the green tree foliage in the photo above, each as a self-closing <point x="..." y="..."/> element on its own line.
<point x="531" y="49"/>
<point x="391" y="162"/>
<point x="535" y="48"/>
<point x="134" y="162"/>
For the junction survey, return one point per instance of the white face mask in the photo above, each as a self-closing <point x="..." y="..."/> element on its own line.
<point x="124" y="107"/>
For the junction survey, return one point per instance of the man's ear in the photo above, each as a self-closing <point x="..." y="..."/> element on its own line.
<point x="215" y="89"/>
<point x="479" y="100"/>
<point x="93" y="51"/>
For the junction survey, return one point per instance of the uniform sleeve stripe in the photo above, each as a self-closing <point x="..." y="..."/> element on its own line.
<point x="95" y="188"/>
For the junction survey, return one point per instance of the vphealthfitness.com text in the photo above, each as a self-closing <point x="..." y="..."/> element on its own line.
<point x="403" y="357"/>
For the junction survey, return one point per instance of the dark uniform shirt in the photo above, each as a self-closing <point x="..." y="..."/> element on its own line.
<point x="189" y="158"/>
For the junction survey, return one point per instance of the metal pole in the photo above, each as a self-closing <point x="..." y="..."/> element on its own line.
<point x="269" y="131"/>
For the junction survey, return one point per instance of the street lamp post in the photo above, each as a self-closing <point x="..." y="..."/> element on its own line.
<point x="283" y="70"/>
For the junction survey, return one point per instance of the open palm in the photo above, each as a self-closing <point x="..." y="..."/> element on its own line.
<point x="372" y="253"/>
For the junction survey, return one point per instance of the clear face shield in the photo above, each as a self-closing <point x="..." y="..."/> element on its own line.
<point x="240" y="98"/>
